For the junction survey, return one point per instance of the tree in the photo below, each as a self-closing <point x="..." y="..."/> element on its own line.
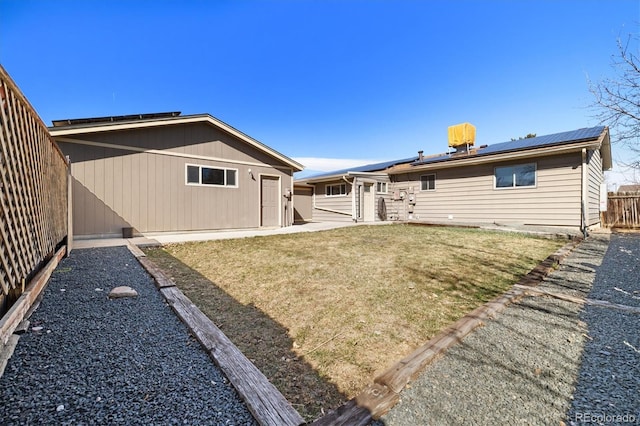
<point x="529" y="136"/>
<point x="617" y="99"/>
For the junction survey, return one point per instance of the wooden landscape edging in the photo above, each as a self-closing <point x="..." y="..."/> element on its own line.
<point x="266" y="403"/>
<point x="378" y="398"/>
<point x="12" y="319"/>
<point x="578" y="300"/>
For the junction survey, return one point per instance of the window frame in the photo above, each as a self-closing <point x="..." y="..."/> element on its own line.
<point x="225" y="170"/>
<point x="514" y="184"/>
<point x="434" y="182"/>
<point x="386" y="187"/>
<point x="340" y="194"/>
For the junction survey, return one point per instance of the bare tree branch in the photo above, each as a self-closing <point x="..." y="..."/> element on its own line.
<point x="617" y="100"/>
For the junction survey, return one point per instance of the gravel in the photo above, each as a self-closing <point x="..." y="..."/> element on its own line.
<point x="122" y="361"/>
<point x="523" y="367"/>
<point x="608" y="389"/>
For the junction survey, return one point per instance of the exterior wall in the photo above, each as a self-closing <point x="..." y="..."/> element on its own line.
<point x="332" y="209"/>
<point x="120" y="187"/>
<point x="467" y="194"/>
<point x="303" y="204"/>
<point x="595" y="178"/>
<point x="386" y="196"/>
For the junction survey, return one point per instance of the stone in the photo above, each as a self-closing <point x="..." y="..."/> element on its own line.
<point x="122" y="291"/>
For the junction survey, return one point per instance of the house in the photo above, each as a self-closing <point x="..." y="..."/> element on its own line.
<point x="553" y="180"/>
<point x="349" y="194"/>
<point x="633" y="189"/>
<point x="166" y="172"/>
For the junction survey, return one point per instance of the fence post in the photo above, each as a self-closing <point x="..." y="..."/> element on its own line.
<point x="69" y="207"/>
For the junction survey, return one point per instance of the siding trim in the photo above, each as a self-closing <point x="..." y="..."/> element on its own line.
<point x="166" y="152"/>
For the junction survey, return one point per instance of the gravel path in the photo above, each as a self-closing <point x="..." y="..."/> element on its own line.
<point x="522" y="367"/>
<point x="608" y="389"/>
<point x="122" y="361"/>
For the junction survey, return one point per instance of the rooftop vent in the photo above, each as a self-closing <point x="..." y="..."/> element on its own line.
<point x="462" y="136"/>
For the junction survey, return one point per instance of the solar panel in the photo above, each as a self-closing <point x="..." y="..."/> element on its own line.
<point x="530" y="143"/>
<point x="366" y="168"/>
<point x="517" y="145"/>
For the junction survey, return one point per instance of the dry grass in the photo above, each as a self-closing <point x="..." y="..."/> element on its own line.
<point x="322" y="313"/>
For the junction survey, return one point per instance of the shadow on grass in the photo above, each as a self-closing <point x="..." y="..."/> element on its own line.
<point x="261" y="339"/>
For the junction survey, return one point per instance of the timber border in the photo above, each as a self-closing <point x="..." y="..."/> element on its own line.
<point x="267" y="405"/>
<point x="380" y="396"/>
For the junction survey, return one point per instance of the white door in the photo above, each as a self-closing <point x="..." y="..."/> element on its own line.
<point x="269" y="201"/>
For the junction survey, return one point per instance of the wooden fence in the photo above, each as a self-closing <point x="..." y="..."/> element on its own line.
<point x="623" y="211"/>
<point x="33" y="193"/>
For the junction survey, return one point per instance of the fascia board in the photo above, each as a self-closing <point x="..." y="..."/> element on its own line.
<point x="604" y="142"/>
<point x="380" y="174"/>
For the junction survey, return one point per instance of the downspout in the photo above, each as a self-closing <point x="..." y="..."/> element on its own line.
<point x="291" y="203"/>
<point x="583" y="196"/>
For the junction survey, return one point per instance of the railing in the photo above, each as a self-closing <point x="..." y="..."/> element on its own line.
<point x="33" y="193"/>
<point x="623" y="211"/>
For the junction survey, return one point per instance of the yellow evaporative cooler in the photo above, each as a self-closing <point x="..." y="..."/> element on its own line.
<point x="462" y="135"/>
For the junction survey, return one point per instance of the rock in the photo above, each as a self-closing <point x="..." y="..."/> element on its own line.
<point x="122" y="291"/>
<point x="38" y="328"/>
<point x="60" y="407"/>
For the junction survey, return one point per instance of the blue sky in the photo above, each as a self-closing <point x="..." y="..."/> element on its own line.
<point x="324" y="82"/>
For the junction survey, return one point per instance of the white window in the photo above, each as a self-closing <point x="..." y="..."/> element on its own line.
<point x="520" y="176"/>
<point x="211" y="176"/>
<point x="381" y="187"/>
<point x="428" y="182"/>
<point x="336" y="190"/>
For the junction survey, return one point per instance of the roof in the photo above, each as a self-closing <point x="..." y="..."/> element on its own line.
<point x="368" y="168"/>
<point x="77" y="126"/>
<point x="554" y="143"/>
<point x="563" y="138"/>
<point x="629" y="188"/>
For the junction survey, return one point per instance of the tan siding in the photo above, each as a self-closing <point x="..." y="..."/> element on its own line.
<point x="387" y="197"/>
<point x="143" y="201"/>
<point x="117" y="188"/>
<point x="595" y="178"/>
<point x="196" y="139"/>
<point x="303" y="204"/>
<point x="336" y="203"/>
<point x="468" y="195"/>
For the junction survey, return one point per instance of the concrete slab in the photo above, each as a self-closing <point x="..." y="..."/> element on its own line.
<point x="156" y="239"/>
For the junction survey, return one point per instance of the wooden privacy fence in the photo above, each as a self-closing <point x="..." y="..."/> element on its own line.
<point x="623" y="211"/>
<point x="33" y="193"/>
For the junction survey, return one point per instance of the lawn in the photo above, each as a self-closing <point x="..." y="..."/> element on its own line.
<point x="321" y="314"/>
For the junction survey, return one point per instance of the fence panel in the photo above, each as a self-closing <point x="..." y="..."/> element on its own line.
<point x="623" y="211"/>
<point x="33" y="192"/>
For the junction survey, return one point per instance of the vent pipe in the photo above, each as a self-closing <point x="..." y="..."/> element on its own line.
<point x="420" y="155"/>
